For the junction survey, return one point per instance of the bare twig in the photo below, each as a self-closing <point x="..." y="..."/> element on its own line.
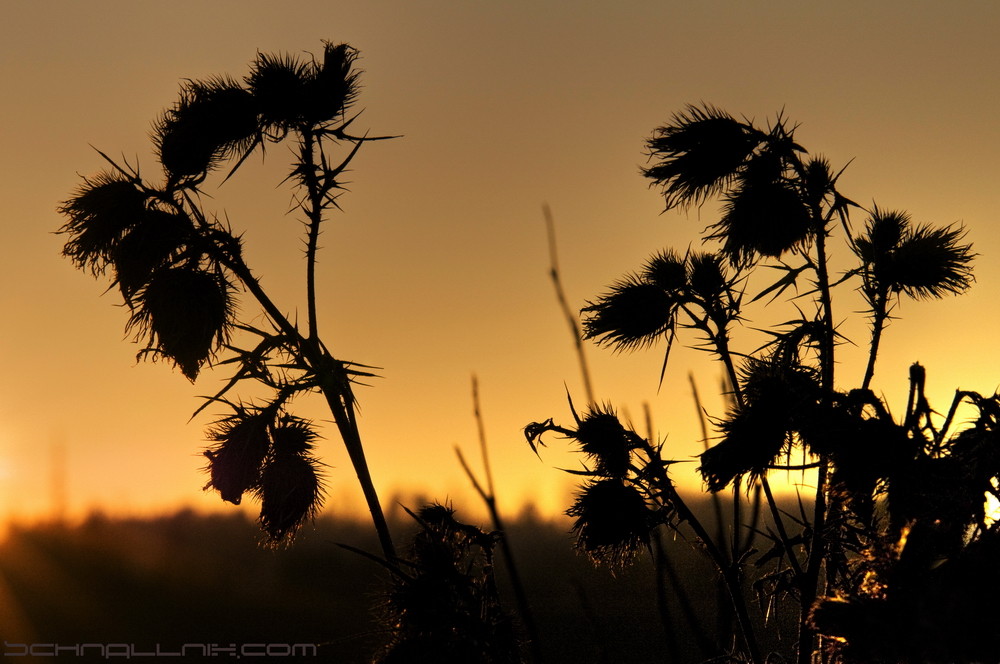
<point x="488" y="496"/>
<point x="564" y="304"/>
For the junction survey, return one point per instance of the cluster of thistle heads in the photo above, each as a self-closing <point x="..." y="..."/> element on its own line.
<point x="267" y="453"/>
<point x="626" y="493"/>
<point x="776" y="202"/>
<point x="889" y="477"/>
<point x="444" y="605"/>
<point x="168" y="260"/>
<point x="178" y="269"/>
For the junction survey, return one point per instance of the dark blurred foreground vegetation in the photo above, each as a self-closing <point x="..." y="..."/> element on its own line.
<point x="192" y="578"/>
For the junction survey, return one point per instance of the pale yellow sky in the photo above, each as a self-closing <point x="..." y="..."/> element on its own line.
<point x="438" y="266"/>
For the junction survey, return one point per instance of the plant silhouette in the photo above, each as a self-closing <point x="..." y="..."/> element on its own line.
<point x="181" y="272"/>
<point x="892" y="558"/>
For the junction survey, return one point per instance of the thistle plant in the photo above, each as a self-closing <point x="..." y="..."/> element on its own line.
<point x="180" y="270"/>
<point x="874" y="562"/>
<point x="444" y="605"/>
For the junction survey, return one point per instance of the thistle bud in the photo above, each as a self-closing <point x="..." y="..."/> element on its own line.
<point x="290" y="493"/>
<point x="235" y="462"/>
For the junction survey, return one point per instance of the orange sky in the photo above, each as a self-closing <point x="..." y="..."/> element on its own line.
<point x="438" y="266"/>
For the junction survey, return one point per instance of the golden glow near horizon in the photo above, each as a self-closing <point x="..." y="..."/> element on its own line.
<point x="438" y="266"/>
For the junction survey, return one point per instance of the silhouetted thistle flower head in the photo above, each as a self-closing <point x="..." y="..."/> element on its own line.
<point x="213" y="119"/>
<point x="667" y="270"/>
<point x="763" y="214"/>
<point x="777" y="398"/>
<point x="186" y="312"/>
<point x="818" y="180"/>
<point x="603" y="438"/>
<point x="920" y="261"/>
<point x="613" y="521"/>
<point x="634" y="314"/>
<point x="706" y="277"/>
<point x="149" y="246"/>
<point x="291" y="92"/>
<point x="699" y="153"/>
<point x="334" y="83"/>
<point x="291" y="493"/>
<point x="100" y="213"/>
<point x="293" y="435"/>
<point x="237" y="458"/>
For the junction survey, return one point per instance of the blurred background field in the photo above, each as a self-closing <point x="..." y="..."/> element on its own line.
<point x="186" y="577"/>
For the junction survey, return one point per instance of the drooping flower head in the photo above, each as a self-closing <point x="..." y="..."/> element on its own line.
<point x="613" y="521"/>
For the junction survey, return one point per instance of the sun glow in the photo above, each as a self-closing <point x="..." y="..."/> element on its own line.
<point x="992" y="508"/>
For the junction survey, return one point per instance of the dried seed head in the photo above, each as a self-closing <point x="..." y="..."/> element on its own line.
<point x="762" y="217"/>
<point x="279" y="84"/>
<point x="777" y="397"/>
<point x="333" y="86"/>
<point x="706" y="276"/>
<point x="291" y="493"/>
<point x="235" y="462"/>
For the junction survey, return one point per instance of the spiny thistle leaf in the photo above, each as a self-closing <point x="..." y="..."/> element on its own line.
<point x="103" y="209"/>
<point x="698" y="154"/>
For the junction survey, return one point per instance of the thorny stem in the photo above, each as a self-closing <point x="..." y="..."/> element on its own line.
<point x="879" y="315"/>
<point x="315" y="214"/>
<point x="729" y="571"/>
<point x="817" y="548"/>
<point x="334" y="381"/>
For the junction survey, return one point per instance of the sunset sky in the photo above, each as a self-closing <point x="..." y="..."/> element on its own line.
<point x="437" y="267"/>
